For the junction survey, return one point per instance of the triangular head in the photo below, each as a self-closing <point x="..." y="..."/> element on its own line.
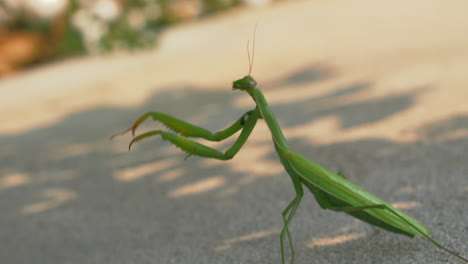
<point x="248" y="82"/>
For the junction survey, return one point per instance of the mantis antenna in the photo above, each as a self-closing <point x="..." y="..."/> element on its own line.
<point x="253" y="50"/>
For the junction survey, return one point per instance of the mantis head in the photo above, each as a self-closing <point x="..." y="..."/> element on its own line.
<point x="248" y="82"/>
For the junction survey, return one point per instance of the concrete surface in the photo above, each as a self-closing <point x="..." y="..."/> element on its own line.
<point x="377" y="89"/>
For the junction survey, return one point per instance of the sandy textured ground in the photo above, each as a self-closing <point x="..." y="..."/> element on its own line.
<point x="377" y="89"/>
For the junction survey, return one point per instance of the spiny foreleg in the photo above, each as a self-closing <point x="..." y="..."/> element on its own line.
<point x="198" y="149"/>
<point x="187" y="129"/>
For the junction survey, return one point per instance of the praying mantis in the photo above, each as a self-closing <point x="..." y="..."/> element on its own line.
<point x="331" y="190"/>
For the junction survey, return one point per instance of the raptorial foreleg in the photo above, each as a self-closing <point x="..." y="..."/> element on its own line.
<point x="198" y="149"/>
<point x="190" y="130"/>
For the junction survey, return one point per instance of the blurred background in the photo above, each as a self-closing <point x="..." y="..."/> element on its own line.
<point x="376" y="89"/>
<point x="35" y="31"/>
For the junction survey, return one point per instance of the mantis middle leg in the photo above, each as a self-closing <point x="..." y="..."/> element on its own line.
<point x="292" y="207"/>
<point x="284" y="213"/>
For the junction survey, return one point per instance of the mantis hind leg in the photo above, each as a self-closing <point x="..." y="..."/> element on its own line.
<point x="391" y="210"/>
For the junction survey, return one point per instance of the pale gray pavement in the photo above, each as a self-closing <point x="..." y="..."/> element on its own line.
<point x="377" y="91"/>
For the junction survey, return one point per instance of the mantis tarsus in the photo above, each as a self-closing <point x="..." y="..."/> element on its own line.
<point x="332" y="191"/>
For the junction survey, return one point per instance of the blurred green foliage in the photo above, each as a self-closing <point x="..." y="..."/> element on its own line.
<point x="95" y="26"/>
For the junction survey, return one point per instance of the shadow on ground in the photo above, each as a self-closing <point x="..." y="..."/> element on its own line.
<point x="69" y="195"/>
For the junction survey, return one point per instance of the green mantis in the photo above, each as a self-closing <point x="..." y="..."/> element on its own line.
<point x="332" y="191"/>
